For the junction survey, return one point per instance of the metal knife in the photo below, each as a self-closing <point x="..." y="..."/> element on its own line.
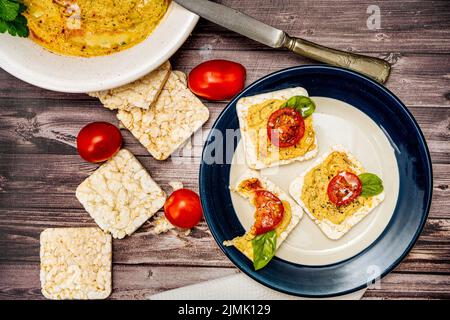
<point x="377" y="69"/>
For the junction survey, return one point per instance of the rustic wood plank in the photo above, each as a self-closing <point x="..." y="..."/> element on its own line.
<point x="29" y="126"/>
<point x="49" y="181"/>
<point x="20" y="229"/>
<point x="138" y="282"/>
<point x="427" y="258"/>
<point x="57" y="174"/>
<point x="411" y="286"/>
<point x="39" y="167"/>
<point x="19" y="241"/>
<point x="21" y="281"/>
<point x="418" y="80"/>
<point x="406" y="26"/>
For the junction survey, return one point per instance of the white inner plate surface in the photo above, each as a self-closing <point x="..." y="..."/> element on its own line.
<point x="335" y="122"/>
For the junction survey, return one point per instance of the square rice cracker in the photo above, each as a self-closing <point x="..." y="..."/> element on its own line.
<point x="331" y="230"/>
<point x="296" y="210"/>
<point x="253" y="159"/>
<point x="141" y="93"/>
<point x="75" y="263"/>
<point x="173" y="119"/>
<point x="121" y="196"/>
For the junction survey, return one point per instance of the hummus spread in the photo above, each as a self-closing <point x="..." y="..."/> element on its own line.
<point x="257" y="118"/>
<point x="90" y="28"/>
<point x="314" y="193"/>
<point x="244" y="243"/>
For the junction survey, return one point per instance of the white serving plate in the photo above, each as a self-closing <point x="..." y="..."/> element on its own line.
<point x="335" y="122"/>
<point x="31" y="63"/>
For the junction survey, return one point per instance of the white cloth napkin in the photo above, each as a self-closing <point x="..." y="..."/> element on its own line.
<point x="235" y="287"/>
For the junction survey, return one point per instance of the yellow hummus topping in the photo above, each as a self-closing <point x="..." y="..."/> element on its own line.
<point x="314" y="192"/>
<point x="244" y="243"/>
<point x="92" y="27"/>
<point x="257" y="118"/>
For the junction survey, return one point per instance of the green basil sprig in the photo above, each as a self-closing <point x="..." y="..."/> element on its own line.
<point x="302" y="104"/>
<point x="372" y="185"/>
<point x="264" y="246"/>
<point x="11" y="18"/>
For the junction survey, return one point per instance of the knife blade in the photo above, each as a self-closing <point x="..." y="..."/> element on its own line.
<point x="234" y="20"/>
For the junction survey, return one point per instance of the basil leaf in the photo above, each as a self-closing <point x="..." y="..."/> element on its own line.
<point x="302" y="104"/>
<point x="3" y="26"/>
<point x="372" y="185"/>
<point x="11" y="18"/>
<point x="22" y="7"/>
<point x="19" y="27"/>
<point x="9" y="10"/>
<point x="264" y="246"/>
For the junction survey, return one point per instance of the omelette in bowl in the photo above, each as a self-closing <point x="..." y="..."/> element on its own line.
<point x="89" y="28"/>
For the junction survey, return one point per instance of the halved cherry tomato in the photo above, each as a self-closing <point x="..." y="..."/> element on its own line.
<point x="269" y="211"/>
<point x="99" y="141"/>
<point x="217" y="79"/>
<point x="285" y="127"/>
<point x="183" y="208"/>
<point x="344" y="188"/>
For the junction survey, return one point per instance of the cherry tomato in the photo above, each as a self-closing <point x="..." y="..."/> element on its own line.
<point x="99" y="141"/>
<point x="344" y="188"/>
<point x="269" y="211"/>
<point x="217" y="79"/>
<point x="285" y="127"/>
<point x="183" y="209"/>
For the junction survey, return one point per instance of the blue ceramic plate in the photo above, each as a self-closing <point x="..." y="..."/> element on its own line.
<point x="411" y="209"/>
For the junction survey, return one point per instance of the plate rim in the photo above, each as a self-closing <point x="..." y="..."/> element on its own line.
<point x="429" y="173"/>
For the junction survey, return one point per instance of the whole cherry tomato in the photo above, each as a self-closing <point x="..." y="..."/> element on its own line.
<point x="183" y="209"/>
<point x="344" y="188"/>
<point x="98" y="141"/>
<point x="217" y="79"/>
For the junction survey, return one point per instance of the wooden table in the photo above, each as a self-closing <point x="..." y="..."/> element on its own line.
<point x="40" y="168"/>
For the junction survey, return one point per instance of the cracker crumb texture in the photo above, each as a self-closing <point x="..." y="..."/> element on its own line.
<point x="175" y="117"/>
<point x="121" y="196"/>
<point x="75" y="263"/>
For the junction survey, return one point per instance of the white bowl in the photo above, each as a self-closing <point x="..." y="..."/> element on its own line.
<point x="31" y="63"/>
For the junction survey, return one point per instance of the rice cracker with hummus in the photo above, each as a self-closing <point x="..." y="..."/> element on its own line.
<point x="75" y="263"/>
<point x="337" y="192"/>
<point x="276" y="215"/>
<point x="141" y="93"/>
<point x="277" y="128"/>
<point x="121" y="196"/>
<point x="176" y="115"/>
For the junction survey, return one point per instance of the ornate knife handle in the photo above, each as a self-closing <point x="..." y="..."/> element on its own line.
<point x="377" y="69"/>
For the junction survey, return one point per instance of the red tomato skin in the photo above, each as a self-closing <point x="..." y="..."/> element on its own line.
<point x="346" y="178"/>
<point x="299" y="130"/>
<point x="267" y="219"/>
<point x="98" y="141"/>
<point x="217" y="80"/>
<point x="183" y="209"/>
